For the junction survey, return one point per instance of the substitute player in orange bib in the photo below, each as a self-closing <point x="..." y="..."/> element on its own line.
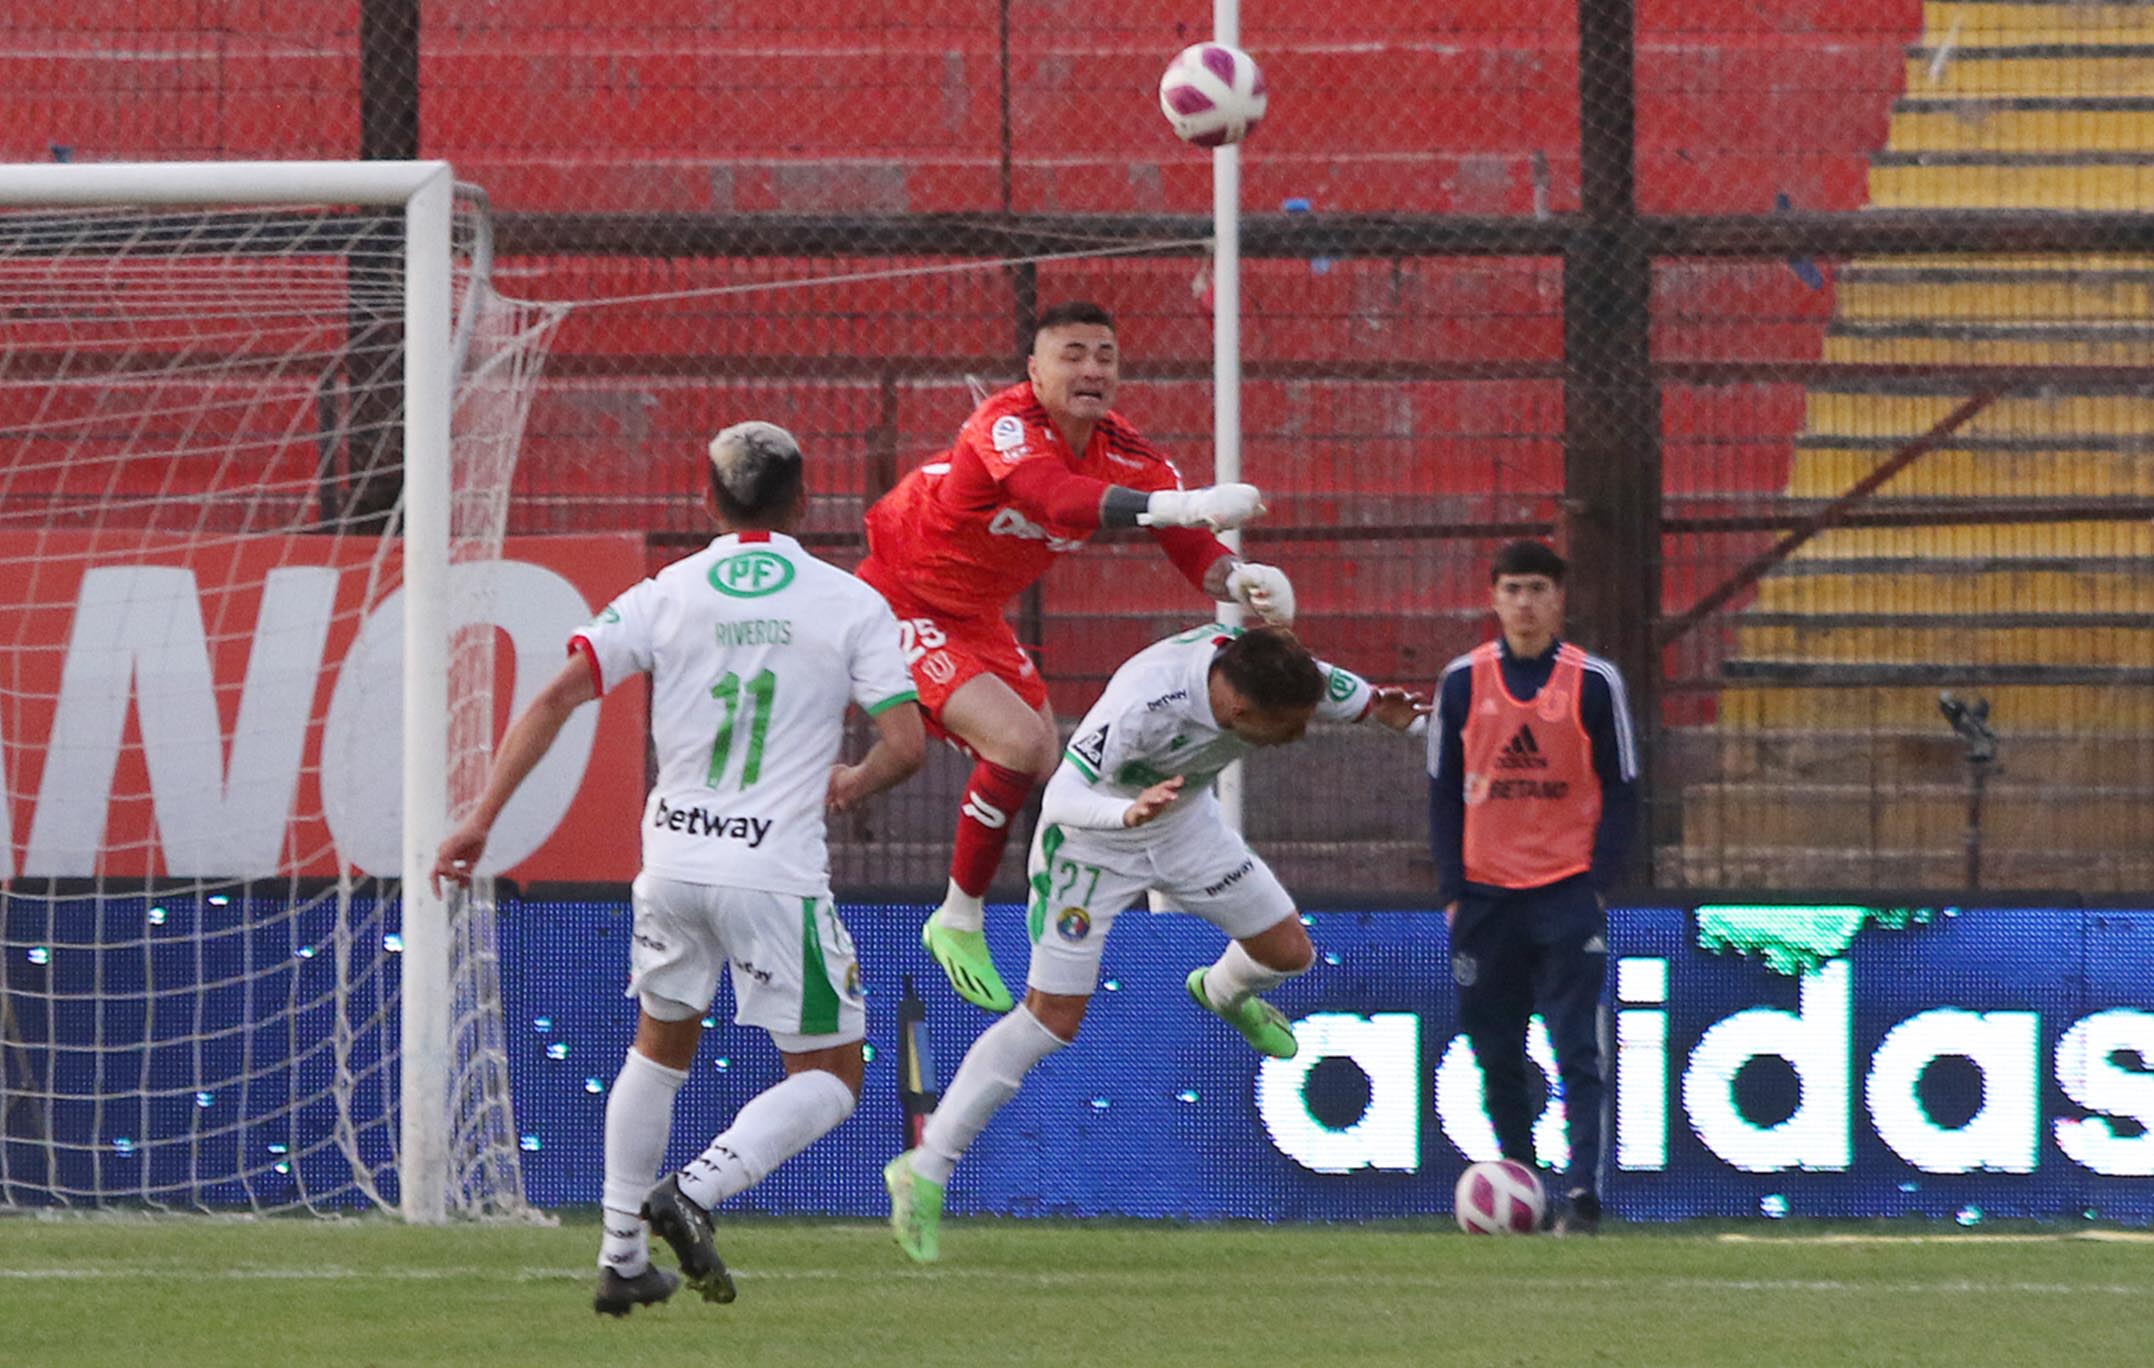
<point x="1533" y="797"/>
<point x="1036" y="470"/>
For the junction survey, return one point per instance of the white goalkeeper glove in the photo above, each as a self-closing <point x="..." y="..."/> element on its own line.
<point x="1215" y="506"/>
<point x="1263" y="590"/>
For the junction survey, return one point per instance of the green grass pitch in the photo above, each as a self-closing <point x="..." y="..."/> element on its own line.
<point x="175" y="1292"/>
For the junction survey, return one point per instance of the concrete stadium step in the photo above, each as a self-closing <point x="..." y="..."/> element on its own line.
<point x="1995" y="310"/>
<point x="2120" y="181"/>
<point x="1808" y="673"/>
<point x="1918" y="585"/>
<point x="1901" y="412"/>
<point x="1936" y="346"/>
<point x="2013" y="263"/>
<point x="2035" y="327"/>
<point x="2005" y="542"/>
<point x="1888" y="443"/>
<point x="2005" y="865"/>
<point x="1756" y="705"/>
<point x="1868" y="624"/>
<point x="2076" y="818"/>
<point x="1824" y="472"/>
<point x="1968" y="641"/>
<point x="1932" y="755"/>
<point x="1949" y="292"/>
<point x="2001" y="342"/>
<point x="2119" y="123"/>
<point x="2030" y="69"/>
<point x="1984" y="23"/>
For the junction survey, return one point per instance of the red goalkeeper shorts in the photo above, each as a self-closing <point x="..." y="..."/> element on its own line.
<point x="945" y="651"/>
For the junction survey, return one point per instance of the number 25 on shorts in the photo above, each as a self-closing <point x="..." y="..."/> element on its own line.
<point x="918" y="636"/>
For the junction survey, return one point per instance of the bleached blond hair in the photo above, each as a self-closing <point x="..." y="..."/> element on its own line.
<point x="755" y="469"/>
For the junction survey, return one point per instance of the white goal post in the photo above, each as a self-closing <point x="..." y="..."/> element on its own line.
<point x="434" y="342"/>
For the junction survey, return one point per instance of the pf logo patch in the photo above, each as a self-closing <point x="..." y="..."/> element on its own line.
<point x="1074" y="924"/>
<point x="1008" y="434"/>
<point x="1464" y="970"/>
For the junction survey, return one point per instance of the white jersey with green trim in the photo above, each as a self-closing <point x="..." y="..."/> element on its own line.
<point x="755" y="648"/>
<point x="1155" y="721"/>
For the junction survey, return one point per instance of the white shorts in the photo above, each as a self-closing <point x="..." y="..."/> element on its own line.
<point x="1081" y="881"/>
<point x="794" y="971"/>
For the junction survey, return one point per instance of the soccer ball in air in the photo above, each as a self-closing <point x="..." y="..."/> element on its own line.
<point x="1499" y="1197"/>
<point x="1212" y="94"/>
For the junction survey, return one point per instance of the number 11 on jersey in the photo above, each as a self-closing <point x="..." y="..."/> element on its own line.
<point x="760" y="692"/>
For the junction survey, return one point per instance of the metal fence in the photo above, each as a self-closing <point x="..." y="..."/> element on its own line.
<point x="1817" y="334"/>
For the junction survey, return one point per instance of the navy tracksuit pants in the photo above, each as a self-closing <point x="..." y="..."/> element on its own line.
<point x="1517" y="951"/>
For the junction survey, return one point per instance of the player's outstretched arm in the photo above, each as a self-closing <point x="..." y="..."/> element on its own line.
<point x="1071" y="801"/>
<point x="1217" y="507"/>
<point x="1402" y="710"/>
<point x="1153" y="801"/>
<point x="900" y="749"/>
<point x="1050" y="490"/>
<point x="529" y="737"/>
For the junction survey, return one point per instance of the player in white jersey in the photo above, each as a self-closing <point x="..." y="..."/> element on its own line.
<point x="755" y="650"/>
<point x="1131" y="808"/>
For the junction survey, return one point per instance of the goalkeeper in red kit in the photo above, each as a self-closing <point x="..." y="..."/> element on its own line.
<point x="1036" y="470"/>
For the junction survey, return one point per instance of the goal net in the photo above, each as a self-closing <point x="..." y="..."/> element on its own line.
<point x="235" y="414"/>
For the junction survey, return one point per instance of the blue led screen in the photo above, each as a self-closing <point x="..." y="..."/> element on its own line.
<point x="1823" y="1061"/>
<point x="1820" y="1061"/>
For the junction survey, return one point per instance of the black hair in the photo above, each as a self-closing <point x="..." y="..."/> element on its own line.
<point x="1068" y="312"/>
<point x="1272" y="669"/>
<point x="1527" y="558"/>
<point x="755" y="473"/>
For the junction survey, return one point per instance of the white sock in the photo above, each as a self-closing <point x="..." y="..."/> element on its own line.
<point x="990" y="1075"/>
<point x="777" y="1124"/>
<point x="1234" y="976"/>
<point x="961" y="911"/>
<point x="639" y="1117"/>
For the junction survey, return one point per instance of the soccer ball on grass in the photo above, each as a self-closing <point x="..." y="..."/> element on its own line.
<point x="1499" y="1197"/>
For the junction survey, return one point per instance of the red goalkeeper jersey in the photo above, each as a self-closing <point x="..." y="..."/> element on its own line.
<point x="958" y="539"/>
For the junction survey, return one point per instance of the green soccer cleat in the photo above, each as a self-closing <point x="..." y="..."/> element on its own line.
<point x="915" y="1210"/>
<point x="963" y="956"/>
<point x="1261" y="1024"/>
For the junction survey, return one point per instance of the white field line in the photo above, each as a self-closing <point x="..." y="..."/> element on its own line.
<point x="1067" y="1277"/>
<point x="1859" y="1238"/>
